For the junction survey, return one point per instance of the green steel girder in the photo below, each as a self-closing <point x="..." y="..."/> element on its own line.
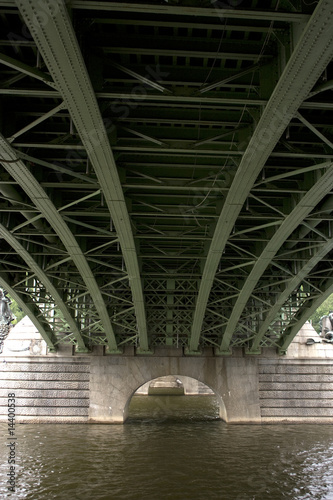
<point x="28" y="70"/>
<point x="292" y="88"/>
<point x="36" y="122"/>
<point x="303" y="315"/>
<point x="156" y="131"/>
<point x="31" y="311"/>
<point x="40" y="274"/>
<point x="57" y="42"/>
<point x="190" y="11"/>
<point x="21" y="174"/>
<point x="309" y="201"/>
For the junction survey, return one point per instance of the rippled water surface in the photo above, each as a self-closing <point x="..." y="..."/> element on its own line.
<point x="172" y="447"/>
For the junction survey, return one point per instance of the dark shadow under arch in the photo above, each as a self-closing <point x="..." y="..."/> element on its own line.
<point x="162" y="405"/>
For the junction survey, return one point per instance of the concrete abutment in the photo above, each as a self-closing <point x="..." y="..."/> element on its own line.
<point x="69" y="387"/>
<point x="113" y="381"/>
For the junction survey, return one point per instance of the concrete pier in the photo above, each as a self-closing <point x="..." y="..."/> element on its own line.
<point x="97" y="388"/>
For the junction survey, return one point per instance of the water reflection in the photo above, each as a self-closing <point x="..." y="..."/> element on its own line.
<point x="175" y="455"/>
<point x="159" y="409"/>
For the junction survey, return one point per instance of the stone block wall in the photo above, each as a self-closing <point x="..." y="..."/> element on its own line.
<point x="69" y="387"/>
<point x="296" y="391"/>
<point x="46" y="389"/>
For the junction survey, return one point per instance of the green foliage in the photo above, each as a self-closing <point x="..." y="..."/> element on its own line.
<point x="16" y="310"/>
<point x="323" y="310"/>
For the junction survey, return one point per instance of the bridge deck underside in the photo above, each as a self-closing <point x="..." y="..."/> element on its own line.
<point x="166" y="170"/>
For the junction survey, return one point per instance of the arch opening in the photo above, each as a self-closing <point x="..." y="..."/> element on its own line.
<point x="175" y="398"/>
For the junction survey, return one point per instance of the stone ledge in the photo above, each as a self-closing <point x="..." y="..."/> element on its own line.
<point x="50" y="393"/>
<point x="297" y="420"/>
<point x="296" y="394"/>
<point x="295" y="377"/>
<point x="45" y="401"/>
<point x="51" y="412"/>
<point x="296" y="403"/>
<point x="47" y="419"/>
<point x="54" y="385"/>
<point x="295" y="386"/>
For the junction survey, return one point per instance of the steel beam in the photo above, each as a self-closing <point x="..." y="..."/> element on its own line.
<point x="291" y="285"/>
<point x="310" y="57"/>
<point x="31" y="311"/>
<point x="36" y="122"/>
<point x="314" y="130"/>
<point x="27" y="70"/>
<point x="21" y="174"/>
<point x="293" y="329"/>
<point x="42" y="277"/>
<point x="296" y="216"/>
<point x="58" y="45"/>
<point x="165" y="9"/>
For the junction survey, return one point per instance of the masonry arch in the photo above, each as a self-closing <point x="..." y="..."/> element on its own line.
<point x="188" y="383"/>
<point x="163" y="407"/>
<point x="114" y="381"/>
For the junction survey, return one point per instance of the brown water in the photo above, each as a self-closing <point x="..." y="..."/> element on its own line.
<point x="172" y="447"/>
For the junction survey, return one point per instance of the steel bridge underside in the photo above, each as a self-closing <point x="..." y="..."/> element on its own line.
<point x="166" y="170"/>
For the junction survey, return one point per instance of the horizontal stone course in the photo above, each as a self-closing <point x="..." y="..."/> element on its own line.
<point x="41" y="402"/>
<point x="52" y="419"/>
<point x="296" y="391"/>
<point x="305" y="419"/>
<point x="296" y="386"/>
<point x="293" y="377"/>
<point x="45" y="393"/>
<point x="296" y="394"/>
<point x="297" y="403"/>
<point x="46" y="390"/>
<point x="297" y="412"/>
<point x="41" y="366"/>
<point x="295" y="368"/>
<point x="285" y="361"/>
<point x="42" y="384"/>
<point x="81" y="411"/>
<point x="80" y="377"/>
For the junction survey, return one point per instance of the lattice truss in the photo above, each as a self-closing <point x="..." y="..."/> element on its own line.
<point x="297" y="275"/>
<point x="170" y="305"/>
<point x="166" y="170"/>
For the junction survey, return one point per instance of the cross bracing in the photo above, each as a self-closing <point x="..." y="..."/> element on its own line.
<point x="166" y="170"/>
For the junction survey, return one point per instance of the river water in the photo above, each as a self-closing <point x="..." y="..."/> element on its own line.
<point x="172" y="447"/>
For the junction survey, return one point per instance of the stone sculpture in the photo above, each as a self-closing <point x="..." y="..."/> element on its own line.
<point x="326" y="327"/>
<point x="6" y="317"/>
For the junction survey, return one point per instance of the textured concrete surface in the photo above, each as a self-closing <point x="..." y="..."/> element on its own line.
<point x="69" y="387"/>
<point x="114" y="381"/>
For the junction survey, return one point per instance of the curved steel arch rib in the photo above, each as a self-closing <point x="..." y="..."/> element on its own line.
<point x="31" y="311"/>
<point x="23" y="176"/>
<point x="303" y="315"/>
<point x="56" y="41"/>
<point x="310" y="57"/>
<point x="322" y="187"/>
<point x="15" y="244"/>
<point x="291" y="286"/>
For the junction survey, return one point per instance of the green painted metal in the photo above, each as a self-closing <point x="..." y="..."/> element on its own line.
<point x="292" y="331"/>
<point x="40" y="274"/>
<point x="314" y="130"/>
<point x="31" y="312"/>
<point x="290" y="91"/>
<point x="28" y="70"/>
<point x="20" y="172"/>
<point x="36" y="122"/>
<point x="322" y="187"/>
<point x="190" y="11"/>
<point x="172" y="144"/>
<point x="291" y="286"/>
<point x="56" y="42"/>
